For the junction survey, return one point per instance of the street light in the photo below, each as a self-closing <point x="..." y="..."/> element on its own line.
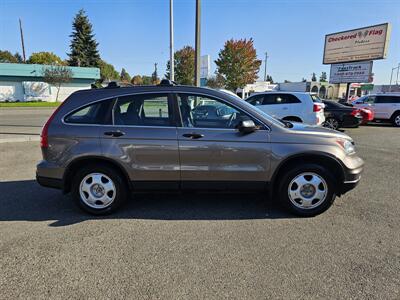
<point x="397" y="76"/>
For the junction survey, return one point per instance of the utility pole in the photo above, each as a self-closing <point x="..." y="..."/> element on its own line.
<point x="22" y="41"/>
<point x="171" y="41"/>
<point x="265" y="66"/>
<point x="391" y="76"/>
<point x="197" y="46"/>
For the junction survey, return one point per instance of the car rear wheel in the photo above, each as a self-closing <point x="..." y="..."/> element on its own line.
<point x="307" y="190"/>
<point x="99" y="190"/>
<point x="331" y="123"/>
<point x="396" y="119"/>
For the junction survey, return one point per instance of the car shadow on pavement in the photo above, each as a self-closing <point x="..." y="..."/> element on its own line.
<point x="25" y="200"/>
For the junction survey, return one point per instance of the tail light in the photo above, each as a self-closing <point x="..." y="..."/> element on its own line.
<point x="44" y="138"/>
<point x="355" y="112"/>
<point x="317" y="107"/>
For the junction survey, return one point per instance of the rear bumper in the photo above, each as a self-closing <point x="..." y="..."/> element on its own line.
<point x="49" y="182"/>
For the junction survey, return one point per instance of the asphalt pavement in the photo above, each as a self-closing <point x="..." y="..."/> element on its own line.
<point x="200" y="246"/>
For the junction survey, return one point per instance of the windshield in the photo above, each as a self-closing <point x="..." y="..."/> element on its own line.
<point x="252" y="107"/>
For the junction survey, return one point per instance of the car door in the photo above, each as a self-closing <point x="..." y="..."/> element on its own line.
<point x="143" y="138"/>
<point x="381" y="107"/>
<point x="213" y="153"/>
<point x="384" y="106"/>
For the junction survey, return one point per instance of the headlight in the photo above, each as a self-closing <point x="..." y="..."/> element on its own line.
<point x="348" y="146"/>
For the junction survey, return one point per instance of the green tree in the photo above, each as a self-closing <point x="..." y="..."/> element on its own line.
<point x="124" y="76"/>
<point x="269" y="78"/>
<point x="216" y="82"/>
<point x="313" y="77"/>
<point x="303" y="80"/>
<point x="107" y="71"/>
<point x="238" y="63"/>
<point x="154" y="76"/>
<point x="56" y="76"/>
<point x="184" y="66"/>
<point x="19" y="58"/>
<point x="323" y="77"/>
<point x="147" y="80"/>
<point x="137" y="80"/>
<point x="7" y="57"/>
<point x="83" y="45"/>
<point x="45" y="58"/>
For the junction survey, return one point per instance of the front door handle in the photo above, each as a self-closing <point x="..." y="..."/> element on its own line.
<point x="193" y="136"/>
<point x="117" y="133"/>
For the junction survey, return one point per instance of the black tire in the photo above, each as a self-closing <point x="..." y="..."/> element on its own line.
<point x="287" y="178"/>
<point x="332" y="123"/>
<point x="121" y="189"/>
<point x="395" y="119"/>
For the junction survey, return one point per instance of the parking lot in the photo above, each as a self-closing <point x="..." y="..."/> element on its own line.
<point x="197" y="246"/>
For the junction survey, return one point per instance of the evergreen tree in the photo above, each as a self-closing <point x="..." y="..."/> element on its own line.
<point x="83" y="46"/>
<point x="314" y="77"/>
<point x="154" y="76"/>
<point x="323" y="77"/>
<point x="124" y="76"/>
<point x="269" y="78"/>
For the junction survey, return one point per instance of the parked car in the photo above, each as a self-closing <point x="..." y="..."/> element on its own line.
<point x="340" y="116"/>
<point x="290" y="106"/>
<point x="385" y="106"/>
<point x="367" y="114"/>
<point x="101" y="144"/>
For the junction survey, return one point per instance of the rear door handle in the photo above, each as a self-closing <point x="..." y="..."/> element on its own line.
<point x="193" y="136"/>
<point x="116" y="133"/>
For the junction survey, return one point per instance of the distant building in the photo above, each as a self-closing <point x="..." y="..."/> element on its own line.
<point x="256" y="87"/>
<point x="325" y="90"/>
<point x="24" y="82"/>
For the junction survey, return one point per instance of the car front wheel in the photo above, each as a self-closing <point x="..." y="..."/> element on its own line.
<point x="99" y="190"/>
<point x="307" y="190"/>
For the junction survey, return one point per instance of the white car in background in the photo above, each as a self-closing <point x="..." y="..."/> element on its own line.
<point x="290" y="106"/>
<point x="384" y="106"/>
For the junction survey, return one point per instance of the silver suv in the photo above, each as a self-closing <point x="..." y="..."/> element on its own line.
<point x="101" y="144"/>
<point x="385" y="106"/>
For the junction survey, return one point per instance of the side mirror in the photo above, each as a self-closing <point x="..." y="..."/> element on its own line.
<point x="247" y="126"/>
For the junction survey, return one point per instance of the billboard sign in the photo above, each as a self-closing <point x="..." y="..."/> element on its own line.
<point x="351" y="72"/>
<point x="367" y="43"/>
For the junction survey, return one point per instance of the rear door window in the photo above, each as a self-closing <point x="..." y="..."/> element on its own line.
<point x="143" y="110"/>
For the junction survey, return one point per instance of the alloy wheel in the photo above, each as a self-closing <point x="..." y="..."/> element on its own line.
<point x="97" y="190"/>
<point x="307" y="190"/>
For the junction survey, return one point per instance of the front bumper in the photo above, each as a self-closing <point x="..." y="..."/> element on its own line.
<point x="351" y="179"/>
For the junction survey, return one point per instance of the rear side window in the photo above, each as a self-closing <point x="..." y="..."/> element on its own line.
<point x="96" y="113"/>
<point x="387" y="99"/>
<point x="280" y="99"/>
<point x="256" y="100"/>
<point x="143" y="110"/>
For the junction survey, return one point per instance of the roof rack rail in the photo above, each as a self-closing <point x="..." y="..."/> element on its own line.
<point x="167" y="82"/>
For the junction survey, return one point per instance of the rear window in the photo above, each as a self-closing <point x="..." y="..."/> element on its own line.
<point x="96" y="113"/>
<point x="316" y="99"/>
